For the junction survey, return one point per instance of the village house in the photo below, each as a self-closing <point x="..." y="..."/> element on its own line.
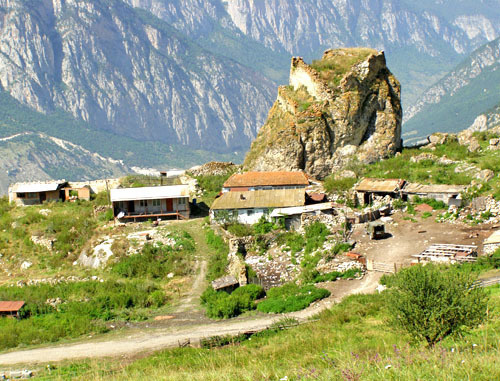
<point x="11" y="308"/>
<point x="449" y="194"/>
<point x="248" y="207"/>
<point x="252" y="181"/>
<point x="37" y="192"/>
<point x="370" y="189"/>
<point x="150" y="202"/>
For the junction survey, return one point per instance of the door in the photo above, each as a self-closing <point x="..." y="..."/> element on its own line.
<point x="131" y="207"/>
<point x="170" y="205"/>
<point x="43" y="196"/>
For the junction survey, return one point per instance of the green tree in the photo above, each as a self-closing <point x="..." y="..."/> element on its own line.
<point x="432" y="302"/>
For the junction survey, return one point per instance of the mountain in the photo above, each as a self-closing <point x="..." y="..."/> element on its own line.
<point x="453" y="103"/>
<point x="33" y="156"/>
<point x="422" y="40"/>
<point x="124" y="71"/>
<point x="342" y="107"/>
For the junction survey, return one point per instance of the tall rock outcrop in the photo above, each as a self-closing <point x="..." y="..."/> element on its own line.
<point x="343" y="107"/>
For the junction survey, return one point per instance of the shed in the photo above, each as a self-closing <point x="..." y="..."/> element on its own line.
<point x="249" y="206"/>
<point x="227" y="283"/>
<point x="368" y="188"/>
<point x="251" y="181"/>
<point x="11" y="308"/>
<point x="37" y="192"/>
<point x="492" y="243"/>
<point x="151" y="202"/>
<point x="293" y="215"/>
<point x="449" y="194"/>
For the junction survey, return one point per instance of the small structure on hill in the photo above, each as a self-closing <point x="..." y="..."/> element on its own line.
<point x="492" y="243"/>
<point x="369" y="189"/>
<point x="449" y="194"/>
<point x="37" y="192"/>
<point x="227" y="283"/>
<point x="151" y="202"/>
<point x="11" y="308"/>
<point x="293" y="215"/>
<point x="249" y="206"/>
<point x="448" y="253"/>
<point x="252" y="181"/>
<point x="72" y="194"/>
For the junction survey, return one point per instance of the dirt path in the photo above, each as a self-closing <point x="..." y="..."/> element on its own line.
<point x="155" y="339"/>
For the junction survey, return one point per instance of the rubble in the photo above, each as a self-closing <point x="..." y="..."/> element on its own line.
<point x="45" y="242"/>
<point x="56" y="280"/>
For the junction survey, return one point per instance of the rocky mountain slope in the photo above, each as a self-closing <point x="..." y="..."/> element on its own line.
<point x="343" y="107"/>
<point x="127" y="72"/>
<point x="423" y="40"/>
<point x="452" y="104"/>
<point x="35" y="156"/>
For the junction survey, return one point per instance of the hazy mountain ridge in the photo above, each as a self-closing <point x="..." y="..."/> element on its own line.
<point x="452" y="104"/>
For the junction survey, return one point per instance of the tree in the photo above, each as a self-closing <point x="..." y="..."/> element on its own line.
<point x="432" y="302"/>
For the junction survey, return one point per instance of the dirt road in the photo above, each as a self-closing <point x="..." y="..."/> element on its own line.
<point x="156" y="339"/>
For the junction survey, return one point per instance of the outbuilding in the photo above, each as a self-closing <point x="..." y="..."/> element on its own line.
<point x="11" y="308"/>
<point x="449" y="194"/>
<point x="150" y="202"/>
<point x="37" y="192"/>
<point x="369" y="189"/>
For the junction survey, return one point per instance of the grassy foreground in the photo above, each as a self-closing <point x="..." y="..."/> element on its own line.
<point x="352" y="341"/>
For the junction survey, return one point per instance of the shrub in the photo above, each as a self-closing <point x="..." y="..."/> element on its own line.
<point x="436" y="205"/>
<point x="294" y="242"/>
<point x="432" y="302"/>
<point x="315" y="236"/>
<point x="290" y="298"/>
<point x="239" y="230"/>
<point x="217" y="262"/>
<point x="221" y="305"/>
<point x="263" y="226"/>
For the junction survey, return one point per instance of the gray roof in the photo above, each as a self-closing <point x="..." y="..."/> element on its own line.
<point x="149" y="193"/>
<point x="224" y="282"/>
<point x="37" y="187"/>
<point x="434" y="188"/>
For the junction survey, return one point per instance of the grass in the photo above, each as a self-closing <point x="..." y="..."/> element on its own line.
<point x="333" y="68"/>
<point x="351" y="341"/>
<point x="290" y="298"/>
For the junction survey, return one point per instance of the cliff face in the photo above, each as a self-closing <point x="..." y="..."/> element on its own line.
<point x="125" y="71"/>
<point x="452" y="104"/>
<point x="343" y="107"/>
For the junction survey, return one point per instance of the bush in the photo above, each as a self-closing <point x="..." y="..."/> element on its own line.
<point x="436" y="205"/>
<point x="156" y="261"/>
<point x="263" y="226"/>
<point x="294" y="242"/>
<point x="217" y="262"/>
<point x="315" y="236"/>
<point x="432" y="302"/>
<point x="221" y="305"/>
<point x="239" y="230"/>
<point x="290" y="298"/>
<point x="333" y="185"/>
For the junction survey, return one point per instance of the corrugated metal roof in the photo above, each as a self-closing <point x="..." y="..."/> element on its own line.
<point x="494" y="238"/>
<point x="37" y="187"/>
<point x="273" y="198"/>
<point x="279" y="212"/>
<point x="252" y="179"/>
<point x="149" y="193"/>
<point x="9" y="306"/>
<point x="435" y="188"/>
<point x="380" y="185"/>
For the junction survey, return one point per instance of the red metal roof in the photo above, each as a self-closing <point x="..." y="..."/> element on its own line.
<point x="252" y="179"/>
<point x="8" y="306"/>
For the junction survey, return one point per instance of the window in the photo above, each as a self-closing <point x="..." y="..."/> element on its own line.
<point x="181" y="201"/>
<point x="143" y="203"/>
<point x="31" y="195"/>
<point x="156" y="202"/>
<point x="249" y="212"/>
